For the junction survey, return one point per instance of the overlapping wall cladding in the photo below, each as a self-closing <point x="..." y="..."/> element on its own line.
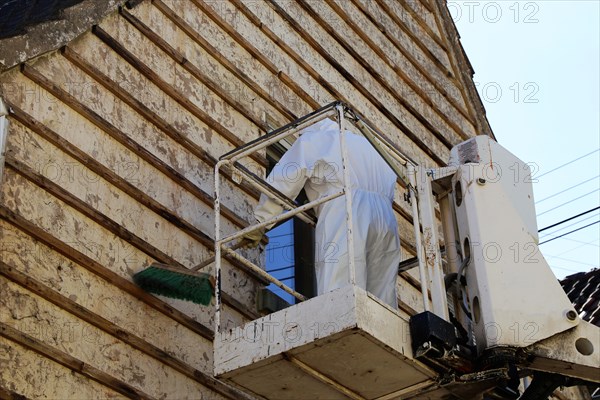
<point x="109" y="166"/>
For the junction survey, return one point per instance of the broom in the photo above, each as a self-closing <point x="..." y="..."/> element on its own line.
<point x="179" y="283"/>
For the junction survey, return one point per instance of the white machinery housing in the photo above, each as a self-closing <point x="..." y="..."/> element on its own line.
<point x="514" y="303"/>
<point x="514" y="297"/>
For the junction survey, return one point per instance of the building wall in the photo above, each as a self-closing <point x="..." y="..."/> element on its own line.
<point x="109" y="162"/>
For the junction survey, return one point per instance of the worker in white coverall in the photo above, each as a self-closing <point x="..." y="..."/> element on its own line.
<point x="314" y="163"/>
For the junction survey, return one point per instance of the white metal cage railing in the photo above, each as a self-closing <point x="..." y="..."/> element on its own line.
<point x="400" y="163"/>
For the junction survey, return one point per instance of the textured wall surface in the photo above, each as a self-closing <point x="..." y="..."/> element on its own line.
<point x="111" y="148"/>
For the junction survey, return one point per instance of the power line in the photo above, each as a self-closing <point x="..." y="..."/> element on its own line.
<point x="569" y="219"/>
<point x="570" y="201"/>
<point x="584" y="243"/>
<point x="564" y="165"/>
<point x="566" y="269"/>
<point x="569" y="260"/>
<point x="567" y="226"/>
<point x="577" y="247"/>
<point x="568" y="233"/>
<point x="562" y="191"/>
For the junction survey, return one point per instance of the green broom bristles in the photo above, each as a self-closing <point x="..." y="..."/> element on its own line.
<point x="169" y="282"/>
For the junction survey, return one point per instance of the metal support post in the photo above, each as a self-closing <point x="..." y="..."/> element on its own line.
<point x="265" y="275"/>
<point x="417" y="229"/>
<point x="3" y="136"/>
<point x="348" y="193"/>
<point x="217" y="206"/>
<point x="431" y="244"/>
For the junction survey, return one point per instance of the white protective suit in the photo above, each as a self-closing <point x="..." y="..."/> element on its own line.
<point x="314" y="162"/>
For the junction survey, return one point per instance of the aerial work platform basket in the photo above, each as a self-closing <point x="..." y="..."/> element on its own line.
<point x="342" y="344"/>
<point x="347" y="343"/>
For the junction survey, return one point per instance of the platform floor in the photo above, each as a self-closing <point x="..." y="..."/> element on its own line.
<point x="343" y="344"/>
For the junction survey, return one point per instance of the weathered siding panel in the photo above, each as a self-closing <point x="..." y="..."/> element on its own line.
<point x="423" y="11"/>
<point x="32" y="258"/>
<point x="111" y="150"/>
<point x="383" y="17"/>
<point x="92" y="346"/>
<point x="20" y="374"/>
<point x="118" y="212"/>
<point x="414" y="85"/>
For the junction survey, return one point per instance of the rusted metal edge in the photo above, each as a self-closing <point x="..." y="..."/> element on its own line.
<point x="427" y="99"/>
<point x="126" y="141"/>
<point x="116" y="331"/>
<point x="71" y="363"/>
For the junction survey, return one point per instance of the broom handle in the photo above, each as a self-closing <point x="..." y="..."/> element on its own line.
<point x="211" y="260"/>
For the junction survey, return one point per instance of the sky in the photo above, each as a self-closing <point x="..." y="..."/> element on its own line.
<point x="537" y="71"/>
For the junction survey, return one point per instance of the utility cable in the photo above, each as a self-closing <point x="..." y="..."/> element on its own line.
<point x="564" y="165"/>
<point x="572" y="187"/>
<point x="568" y="226"/>
<point x="566" y="269"/>
<point x="568" y="259"/>
<point x="569" y="219"/>
<point x="584" y="243"/>
<point x="568" y="233"/>
<point x="568" y="202"/>
<point x="579" y="246"/>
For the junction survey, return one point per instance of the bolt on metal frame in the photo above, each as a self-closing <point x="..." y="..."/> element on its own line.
<point x="388" y="152"/>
